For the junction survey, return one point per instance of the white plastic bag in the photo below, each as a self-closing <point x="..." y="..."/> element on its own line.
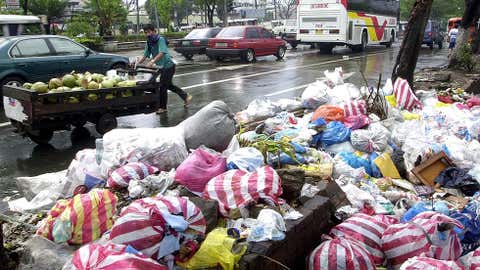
<point x="163" y="148"/>
<point x="335" y="77"/>
<point x="357" y="197"/>
<point x="344" y="93"/>
<point x="315" y="95"/>
<point x="287" y="104"/>
<point x="247" y="159"/>
<point x="84" y="163"/>
<point x="341" y="168"/>
<point x="53" y="182"/>
<point x="388" y="87"/>
<point x="340" y="147"/>
<point x="261" y="108"/>
<point x="152" y="184"/>
<point x="369" y="140"/>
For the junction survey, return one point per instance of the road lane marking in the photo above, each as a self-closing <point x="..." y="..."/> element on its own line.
<point x="4" y="124"/>
<point x="280" y="70"/>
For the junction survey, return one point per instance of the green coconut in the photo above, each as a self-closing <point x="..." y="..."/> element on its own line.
<point x="92" y="97"/>
<point x="97" y="77"/>
<point x="55" y="83"/>
<point x="109" y="96"/>
<point x="73" y="100"/>
<point x="27" y="85"/>
<point x="69" y="80"/>
<point x="40" y="87"/>
<point x="92" y="85"/>
<point x="108" y="84"/>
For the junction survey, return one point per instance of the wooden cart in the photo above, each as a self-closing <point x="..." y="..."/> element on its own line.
<point x="38" y="115"/>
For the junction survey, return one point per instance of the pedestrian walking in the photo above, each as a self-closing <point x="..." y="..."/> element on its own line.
<point x="452" y="35"/>
<point x="157" y="51"/>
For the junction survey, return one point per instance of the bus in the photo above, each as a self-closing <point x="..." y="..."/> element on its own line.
<point x="15" y="25"/>
<point x="355" y="23"/>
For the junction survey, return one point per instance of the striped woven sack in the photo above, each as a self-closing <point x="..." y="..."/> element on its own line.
<point x="142" y="226"/>
<point x="90" y="215"/>
<point x="111" y="257"/>
<point x="471" y="261"/>
<point x="367" y="231"/>
<point x="406" y="99"/>
<point x="135" y="170"/>
<point x="425" y="263"/>
<point x="355" y="107"/>
<point x="340" y="254"/>
<point x="422" y="236"/>
<point x="236" y="188"/>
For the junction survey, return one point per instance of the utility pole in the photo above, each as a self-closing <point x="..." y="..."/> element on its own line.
<point x="225" y="15"/>
<point x="138" y="18"/>
<point x="157" y="22"/>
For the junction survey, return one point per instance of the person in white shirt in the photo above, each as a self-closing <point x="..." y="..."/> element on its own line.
<point x="453" y="37"/>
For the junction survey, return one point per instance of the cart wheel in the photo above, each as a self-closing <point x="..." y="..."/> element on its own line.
<point x="42" y="136"/>
<point x="106" y="123"/>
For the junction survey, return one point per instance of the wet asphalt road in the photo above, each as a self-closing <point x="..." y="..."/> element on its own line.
<point x="232" y="81"/>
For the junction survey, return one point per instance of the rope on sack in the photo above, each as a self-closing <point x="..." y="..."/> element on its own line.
<point x="275" y="261"/>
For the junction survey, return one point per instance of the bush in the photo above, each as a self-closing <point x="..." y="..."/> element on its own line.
<point x="93" y="43"/>
<point x="76" y="28"/>
<point x="465" y="58"/>
<point x="141" y="37"/>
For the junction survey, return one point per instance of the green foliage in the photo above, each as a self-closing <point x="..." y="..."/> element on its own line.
<point x="78" y="27"/>
<point x="442" y="10"/>
<point x="53" y="9"/>
<point x="107" y="13"/>
<point x="91" y="42"/>
<point x="141" y="37"/>
<point x="465" y="58"/>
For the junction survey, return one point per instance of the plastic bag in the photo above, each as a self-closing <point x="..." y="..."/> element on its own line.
<point x="144" y="223"/>
<point x="404" y="95"/>
<point x="388" y="87"/>
<point x="355" y="107"/>
<point x="110" y="257"/>
<point x="356" y="162"/>
<point x="134" y="170"/>
<point x="163" y="148"/>
<point x="53" y="182"/>
<point x="386" y="166"/>
<point x="454" y="177"/>
<point x="270" y="226"/>
<point x="315" y="95"/>
<point x="263" y="184"/>
<point x="287" y="104"/>
<point x="426" y="263"/>
<point x="344" y="93"/>
<point x="279" y="122"/>
<point x="152" y="184"/>
<point x="217" y="249"/>
<point x="335" y="133"/>
<point x="369" y="140"/>
<point x="346" y="255"/>
<point x="357" y="197"/>
<point x="246" y="159"/>
<point x="355" y="122"/>
<point x="335" y="77"/>
<point x="233" y="146"/>
<point x="88" y="216"/>
<point x="341" y="168"/>
<point x="340" y="147"/>
<point x="261" y="108"/>
<point x="213" y="126"/>
<point x="329" y="113"/>
<point x="471" y="261"/>
<point x="199" y="168"/>
<point x="85" y="163"/>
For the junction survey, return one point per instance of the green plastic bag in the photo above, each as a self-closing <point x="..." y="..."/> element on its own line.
<point x="216" y="250"/>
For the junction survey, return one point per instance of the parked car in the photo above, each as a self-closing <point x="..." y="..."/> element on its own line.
<point x="196" y="42"/>
<point x="42" y="57"/>
<point x="433" y="35"/>
<point x="246" y="42"/>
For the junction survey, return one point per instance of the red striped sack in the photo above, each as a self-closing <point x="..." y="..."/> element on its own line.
<point x="110" y="257"/>
<point x="367" y="231"/>
<point x="236" y="188"/>
<point x="406" y="99"/>
<point x="340" y="253"/>
<point x="355" y="107"/>
<point x="89" y="215"/>
<point x="142" y="226"/>
<point x="135" y="170"/>
<point x="471" y="261"/>
<point x="425" y="263"/>
<point x="421" y="236"/>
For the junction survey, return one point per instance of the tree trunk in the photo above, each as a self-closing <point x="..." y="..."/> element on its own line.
<point x="409" y="50"/>
<point x="470" y="16"/>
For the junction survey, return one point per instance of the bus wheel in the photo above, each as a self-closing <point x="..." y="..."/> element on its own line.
<point x="326" y="49"/>
<point x="392" y="40"/>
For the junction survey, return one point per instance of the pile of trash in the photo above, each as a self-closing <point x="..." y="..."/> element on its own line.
<point x="408" y="164"/>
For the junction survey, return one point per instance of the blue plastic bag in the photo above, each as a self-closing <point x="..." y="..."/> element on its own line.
<point x="246" y="159"/>
<point x="356" y="162"/>
<point x="335" y="132"/>
<point x="375" y="170"/>
<point x="414" y="211"/>
<point x="289" y="132"/>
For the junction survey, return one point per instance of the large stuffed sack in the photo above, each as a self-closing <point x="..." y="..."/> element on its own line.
<point x="80" y="220"/>
<point x="213" y="126"/>
<point x="429" y="234"/>
<point x="110" y="257"/>
<point x="315" y="95"/>
<point x="199" y="168"/>
<point x="163" y="148"/>
<point x="236" y="188"/>
<point x="367" y="231"/>
<point x="369" y="140"/>
<point x="340" y="254"/>
<point x="425" y="263"/>
<point x="471" y="261"/>
<point x="144" y="223"/>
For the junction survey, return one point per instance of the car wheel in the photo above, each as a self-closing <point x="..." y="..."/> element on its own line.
<point x="249" y="56"/>
<point x="13" y="80"/>
<point x="219" y="58"/>
<point x="42" y="136"/>
<point x="293" y="44"/>
<point x="280" y="52"/>
<point x="117" y="66"/>
<point x="106" y="123"/>
<point x="188" y="56"/>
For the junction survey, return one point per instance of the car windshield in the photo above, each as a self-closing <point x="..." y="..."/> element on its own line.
<point x="231" y="32"/>
<point x="197" y="33"/>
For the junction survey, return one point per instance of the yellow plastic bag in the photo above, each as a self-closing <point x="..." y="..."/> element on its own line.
<point x="216" y="250"/>
<point x="386" y="166"/>
<point x="410" y="116"/>
<point x="391" y="99"/>
<point x="440" y="104"/>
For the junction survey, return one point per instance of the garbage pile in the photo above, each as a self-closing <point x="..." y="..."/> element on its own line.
<point x="408" y="164"/>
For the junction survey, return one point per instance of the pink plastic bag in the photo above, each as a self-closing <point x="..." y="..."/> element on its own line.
<point x="201" y="166"/>
<point x="354" y="122"/>
<point x="110" y="257"/>
<point x="425" y="263"/>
